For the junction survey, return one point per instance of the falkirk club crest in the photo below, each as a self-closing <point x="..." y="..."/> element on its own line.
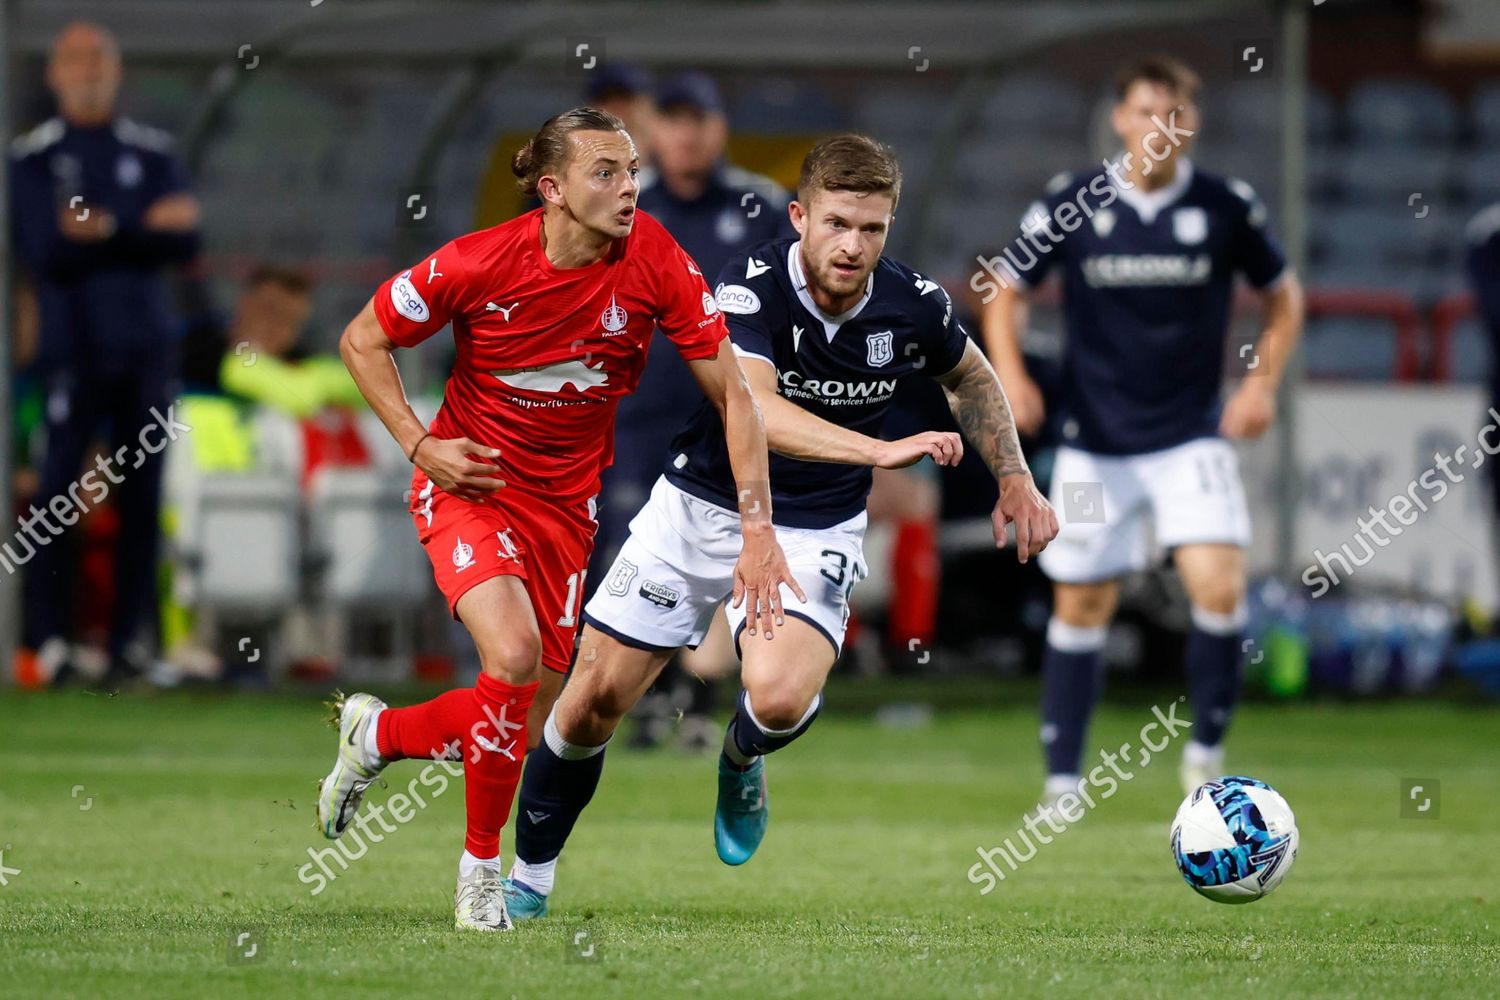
<point x="614" y="318"/>
<point x="878" y="349"/>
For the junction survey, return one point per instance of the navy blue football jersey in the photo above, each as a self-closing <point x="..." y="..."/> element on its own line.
<point x="1148" y="279"/>
<point x="842" y="368"/>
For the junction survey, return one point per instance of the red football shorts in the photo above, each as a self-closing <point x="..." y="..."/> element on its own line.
<point x="511" y="534"/>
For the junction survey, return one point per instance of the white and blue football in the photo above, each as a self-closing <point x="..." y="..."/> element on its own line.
<point x="1234" y="839"/>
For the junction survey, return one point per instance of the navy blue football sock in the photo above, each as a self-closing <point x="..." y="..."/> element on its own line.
<point x="1213" y="669"/>
<point x="746" y="739"/>
<point x="557" y="785"/>
<point x="1072" y="678"/>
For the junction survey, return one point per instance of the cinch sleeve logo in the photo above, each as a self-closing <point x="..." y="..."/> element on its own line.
<point x="737" y="299"/>
<point x="407" y="300"/>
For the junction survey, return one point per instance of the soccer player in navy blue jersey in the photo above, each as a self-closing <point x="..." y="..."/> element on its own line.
<point x="1148" y="248"/>
<point x="825" y="328"/>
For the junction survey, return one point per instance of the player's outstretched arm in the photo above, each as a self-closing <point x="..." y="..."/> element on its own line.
<point x="1251" y="409"/>
<point x="762" y="568"/>
<point x="983" y="414"/>
<point x="1002" y="325"/>
<point x="367" y="353"/>
<point x="796" y="433"/>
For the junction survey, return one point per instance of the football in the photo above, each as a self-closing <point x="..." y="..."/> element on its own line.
<point x="1234" y="839"/>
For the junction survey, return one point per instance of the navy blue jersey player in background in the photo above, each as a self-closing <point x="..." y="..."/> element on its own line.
<point x="100" y="206"/>
<point x="824" y="328"/>
<point x="1148" y="250"/>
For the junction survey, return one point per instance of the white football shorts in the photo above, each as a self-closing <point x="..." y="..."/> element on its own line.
<point x="1186" y="494"/>
<point x="677" y="567"/>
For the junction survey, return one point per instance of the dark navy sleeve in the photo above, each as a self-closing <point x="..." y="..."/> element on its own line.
<point x="38" y="239"/>
<point x="947" y="338"/>
<point x="1254" y="253"/>
<point x="1483" y="260"/>
<point x="747" y="304"/>
<point x="166" y="176"/>
<point x="1021" y="259"/>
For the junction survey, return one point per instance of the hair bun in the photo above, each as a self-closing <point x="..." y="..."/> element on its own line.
<point x="522" y="162"/>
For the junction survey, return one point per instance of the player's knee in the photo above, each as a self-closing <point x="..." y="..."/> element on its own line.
<point x="779" y="708"/>
<point x="1085" y="607"/>
<point x="514" y="659"/>
<point x="1221" y="598"/>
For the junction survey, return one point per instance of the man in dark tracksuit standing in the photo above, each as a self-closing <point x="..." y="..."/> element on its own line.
<point x="1482" y="259"/>
<point x="100" y="207"/>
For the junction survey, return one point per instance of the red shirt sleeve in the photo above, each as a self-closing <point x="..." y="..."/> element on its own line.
<point x="421" y="300"/>
<point x="688" y="314"/>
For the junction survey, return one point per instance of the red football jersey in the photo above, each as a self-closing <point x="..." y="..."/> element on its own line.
<point x="545" y="354"/>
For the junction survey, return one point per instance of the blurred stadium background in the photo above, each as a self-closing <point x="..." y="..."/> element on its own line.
<point x="1372" y="129"/>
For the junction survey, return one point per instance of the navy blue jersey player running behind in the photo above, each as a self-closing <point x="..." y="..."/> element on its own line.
<point x="1149" y="250"/>
<point x="824" y="329"/>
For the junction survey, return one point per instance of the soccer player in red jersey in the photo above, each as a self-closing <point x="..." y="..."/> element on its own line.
<point x="552" y="314"/>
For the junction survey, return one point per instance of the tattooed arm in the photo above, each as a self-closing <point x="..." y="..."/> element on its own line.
<point x="983" y="415"/>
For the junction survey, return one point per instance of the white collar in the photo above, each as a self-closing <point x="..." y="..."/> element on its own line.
<point x="831" y="324"/>
<point x="1149" y="204"/>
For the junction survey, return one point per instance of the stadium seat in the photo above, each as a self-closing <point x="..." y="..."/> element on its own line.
<point x="1369" y="276"/>
<point x="1393" y="112"/>
<point x="783" y="104"/>
<point x="229" y="573"/>
<point x="1350" y="347"/>
<point x="1040" y="105"/>
<point x="1470" y="356"/>
<point x="372" y="575"/>
<point x="362" y="536"/>
<point x="890" y="112"/>
<point x="993" y="165"/>
<point x="1254" y="114"/>
<point x="1388" y="176"/>
<point x="1376" y="236"/>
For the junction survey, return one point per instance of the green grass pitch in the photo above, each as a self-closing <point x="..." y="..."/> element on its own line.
<point x="141" y="835"/>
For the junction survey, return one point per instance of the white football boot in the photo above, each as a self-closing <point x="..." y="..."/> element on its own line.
<point x="1199" y="764"/>
<point x="340" y="793"/>
<point x="479" y="901"/>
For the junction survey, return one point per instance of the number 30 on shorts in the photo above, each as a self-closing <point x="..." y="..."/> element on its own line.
<point x="837" y="570"/>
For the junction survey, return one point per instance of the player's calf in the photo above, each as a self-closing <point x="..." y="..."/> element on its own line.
<point x="564" y="769"/>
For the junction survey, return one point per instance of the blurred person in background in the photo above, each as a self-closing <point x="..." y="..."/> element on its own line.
<point x="714" y="210"/>
<point x="234" y="375"/>
<point x="625" y="92"/>
<point x="1483" y="260"/>
<point x="100" y="207"/>
<point x="1149" y="248"/>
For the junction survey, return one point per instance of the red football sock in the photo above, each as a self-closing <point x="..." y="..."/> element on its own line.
<point x="427" y="729"/>
<point x="492" y="712"/>
<point x="494" y="745"/>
